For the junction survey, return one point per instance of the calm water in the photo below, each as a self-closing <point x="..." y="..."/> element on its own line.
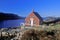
<point x="11" y="23"/>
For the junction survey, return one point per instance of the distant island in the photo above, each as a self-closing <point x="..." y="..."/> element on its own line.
<point x="9" y="16"/>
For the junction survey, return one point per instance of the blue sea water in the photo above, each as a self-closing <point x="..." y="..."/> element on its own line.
<point x="11" y="23"/>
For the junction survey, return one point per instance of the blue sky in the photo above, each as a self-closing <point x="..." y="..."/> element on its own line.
<point x="24" y="7"/>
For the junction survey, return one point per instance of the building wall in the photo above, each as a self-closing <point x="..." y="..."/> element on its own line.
<point x="36" y="20"/>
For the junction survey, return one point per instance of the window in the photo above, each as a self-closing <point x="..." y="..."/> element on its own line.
<point x="30" y="22"/>
<point x="31" y="16"/>
<point x="34" y="22"/>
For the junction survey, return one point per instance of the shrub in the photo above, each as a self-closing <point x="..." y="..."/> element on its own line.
<point x="39" y="35"/>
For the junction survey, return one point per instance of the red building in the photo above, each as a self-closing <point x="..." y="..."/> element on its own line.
<point x="33" y="19"/>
